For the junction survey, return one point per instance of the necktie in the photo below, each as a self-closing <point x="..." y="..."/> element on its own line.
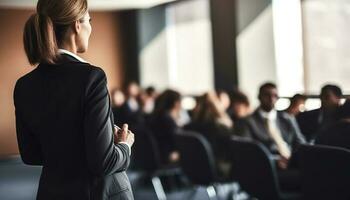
<point x="276" y="136"/>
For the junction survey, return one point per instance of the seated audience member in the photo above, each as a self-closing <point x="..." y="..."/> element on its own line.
<point x="239" y="107"/>
<point x="147" y="100"/>
<point x="130" y="112"/>
<point x="163" y="124"/>
<point x="337" y="134"/>
<point x="314" y="121"/>
<point x="224" y="99"/>
<point x="211" y="120"/>
<point x="276" y="130"/>
<point x="297" y="105"/>
<point x="118" y="99"/>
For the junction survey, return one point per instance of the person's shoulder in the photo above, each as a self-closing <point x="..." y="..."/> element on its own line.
<point x="24" y="79"/>
<point x="87" y="71"/>
<point x="252" y="118"/>
<point x="85" y="67"/>
<point x="310" y="113"/>
<point x="283" y="114"/>
<point x="96" y="71"/>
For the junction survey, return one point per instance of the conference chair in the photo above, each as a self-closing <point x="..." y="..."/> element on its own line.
<point x="255" y="169"/>
<point x="325" y="172"/>
<point x="198" y="162"/>
<point x="146" y="158"/>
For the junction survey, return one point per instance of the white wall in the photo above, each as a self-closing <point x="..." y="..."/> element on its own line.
<point x="327" y="44"/>
<point x="180" y="54"/>
<point x="256" y="55"/>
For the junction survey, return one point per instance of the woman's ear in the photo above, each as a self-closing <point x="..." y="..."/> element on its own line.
<point x="77" y="27"/>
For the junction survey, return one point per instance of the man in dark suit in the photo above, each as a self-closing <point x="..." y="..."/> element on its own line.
<point x="315" y="121"/>
<point x="276" y="130"/>
<point x="337" y="134"/>
<point x="64" y="123"/>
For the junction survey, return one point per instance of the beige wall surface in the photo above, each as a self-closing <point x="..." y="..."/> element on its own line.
<point x="104" y="51"/>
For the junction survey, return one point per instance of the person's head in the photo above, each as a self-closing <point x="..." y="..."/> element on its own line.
<point x="330" y="97"/>
<point x="268" y="96"/>
<point x="168" y="101"/>
<point x="224" y="98"/>
<point x="54" y="24"/>
<point x="132" y="90"/>
<point x="209" y="108"/>
<point x="297" y="103"/>
<point x="151" y="92"/>
<point x="239" y="104"/>
<point x="147" y="99"/>
<point x="118" y="97"/>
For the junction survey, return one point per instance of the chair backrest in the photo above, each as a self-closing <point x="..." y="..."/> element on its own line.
<point x="196" y="157"/>
<point x="145" y="154"/>
<point x="325" y="172"/>
<point x="254" y="169"/>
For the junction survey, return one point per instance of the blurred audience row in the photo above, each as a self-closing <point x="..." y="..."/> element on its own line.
<point x="219" y="115"/>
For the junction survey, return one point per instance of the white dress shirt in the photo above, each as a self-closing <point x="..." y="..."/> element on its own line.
<point x="63" y="51"/>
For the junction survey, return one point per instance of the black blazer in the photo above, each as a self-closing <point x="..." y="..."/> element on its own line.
<point x="64" y="123"/>
<point x="312" y="122"/>
<point x="309" y="123"/>
<point x="254" y="127"/>
<point x="338" y="134"/>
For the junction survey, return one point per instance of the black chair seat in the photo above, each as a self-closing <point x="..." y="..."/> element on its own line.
<point x="255" y="169"/>
<point x="325" y="172"/>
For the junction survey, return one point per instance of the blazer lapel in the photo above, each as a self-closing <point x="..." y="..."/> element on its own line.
<point x="261" y="129"/>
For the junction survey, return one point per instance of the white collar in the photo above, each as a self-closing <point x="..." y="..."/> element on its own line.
<point x="272" y="115"/>
<point x="63" y="51"/>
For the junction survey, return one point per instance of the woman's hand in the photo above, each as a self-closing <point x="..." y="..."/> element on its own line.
<point x="124" y="135"/>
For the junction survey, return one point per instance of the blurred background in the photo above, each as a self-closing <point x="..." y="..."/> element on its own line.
<point x="196" y="46"/>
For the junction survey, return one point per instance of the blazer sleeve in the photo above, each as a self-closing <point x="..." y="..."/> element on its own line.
<point x="298" y="136"/>
<point x="103" y="156"/>
<point x="28" y="143"/>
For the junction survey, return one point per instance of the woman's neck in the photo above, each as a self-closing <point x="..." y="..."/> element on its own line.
<point x="69" y="46"/>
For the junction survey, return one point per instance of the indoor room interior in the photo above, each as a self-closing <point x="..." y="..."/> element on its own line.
<point x="227" y="99"/>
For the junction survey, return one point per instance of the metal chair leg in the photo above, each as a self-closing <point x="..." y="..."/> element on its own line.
<point x="211" y="192"/>
<point x="158" y="188"/>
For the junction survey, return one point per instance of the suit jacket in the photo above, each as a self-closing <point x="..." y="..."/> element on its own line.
<point x="337" y="134"/>
<point x="309" y="123"/>
<point x="64" y="123"/>
<point x="313" y="121"/>
<point x="254" y="127"/>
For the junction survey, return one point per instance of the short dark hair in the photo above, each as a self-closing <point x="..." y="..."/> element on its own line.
<point x="297" y="97"/>
<point x="267" y="85"/>
<point x="333" y="88"/>
<point x="150" y="90"/>
<point x="166" y="101"/>
<point x="238" y="96"/>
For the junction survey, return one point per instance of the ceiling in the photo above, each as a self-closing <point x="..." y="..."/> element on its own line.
<point x="93" y="4"/>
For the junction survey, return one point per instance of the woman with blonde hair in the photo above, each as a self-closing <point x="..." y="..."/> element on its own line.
<point x="211" y="120"/>
<point x="63" y="111"/>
